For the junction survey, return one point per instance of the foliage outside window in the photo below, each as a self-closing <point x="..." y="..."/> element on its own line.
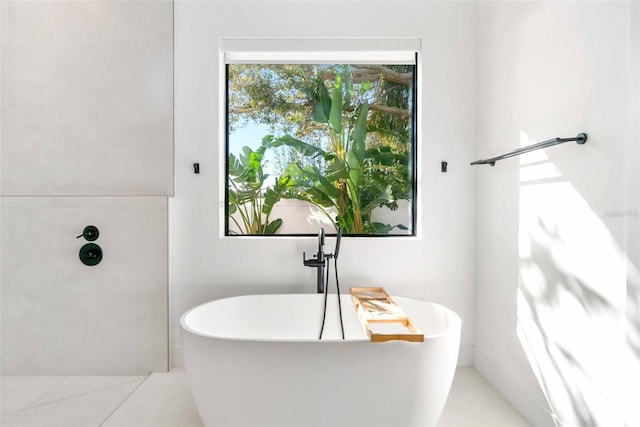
<point x="337" y="139"/>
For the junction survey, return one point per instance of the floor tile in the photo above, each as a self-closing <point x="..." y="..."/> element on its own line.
<point x="473" y="402"/>
<point x="164" y="399"/>
<point x="77" y="386"/>
<point x="4" y="418"/>
<point x="16" y="392"/>
<point x="89" y="409"/>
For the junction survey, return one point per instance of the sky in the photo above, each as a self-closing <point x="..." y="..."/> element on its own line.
<point x="251" y="135"/>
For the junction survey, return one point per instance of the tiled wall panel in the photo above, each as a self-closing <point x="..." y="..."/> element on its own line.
<point x="87" y="98"/>
<point x="61" y="317"/>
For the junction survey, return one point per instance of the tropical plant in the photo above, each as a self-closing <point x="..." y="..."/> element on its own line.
<point x="247" y="196"/>
<point x="282" y="95"/>
<point x="353" y="182"/>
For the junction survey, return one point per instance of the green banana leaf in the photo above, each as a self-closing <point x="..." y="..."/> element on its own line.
<point x="335" y="114"/>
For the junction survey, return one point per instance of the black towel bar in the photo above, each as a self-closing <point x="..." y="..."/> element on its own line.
<point x="581" y="138"/>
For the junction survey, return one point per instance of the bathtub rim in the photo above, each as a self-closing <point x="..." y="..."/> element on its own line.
<point x="453" y="319"/>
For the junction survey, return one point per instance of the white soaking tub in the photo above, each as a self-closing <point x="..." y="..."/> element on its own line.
<point x="256" y="361"/>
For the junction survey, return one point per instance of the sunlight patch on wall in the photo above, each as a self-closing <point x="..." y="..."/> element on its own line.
<point x="539" y="171"/>
<point x="571" y="298"/>
<point x="633" y="344"/>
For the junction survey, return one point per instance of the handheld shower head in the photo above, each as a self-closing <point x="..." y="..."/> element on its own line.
<point x="338" y="238"/>
<point x="320" y="239"/>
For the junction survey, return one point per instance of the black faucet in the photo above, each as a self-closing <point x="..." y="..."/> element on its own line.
<point x="318" y="261"/>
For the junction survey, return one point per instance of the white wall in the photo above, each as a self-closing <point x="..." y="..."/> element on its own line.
<point x="553" y="226"/>
<point x="437" y="267"/>
<point x="302" y="217"/>
<point x="86" y="110"/>
<point x="633" y="219"/>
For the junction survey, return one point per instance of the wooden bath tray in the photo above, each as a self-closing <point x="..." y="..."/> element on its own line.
<point x="382" y="318"/>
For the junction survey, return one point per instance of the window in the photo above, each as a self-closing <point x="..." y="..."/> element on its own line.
<point x="322" y="141"/>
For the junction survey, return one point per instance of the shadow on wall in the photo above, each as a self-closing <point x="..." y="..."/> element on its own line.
<point x="549" y="293"/>
<point x="633" y="340"/>
<point x="572" y="302"/>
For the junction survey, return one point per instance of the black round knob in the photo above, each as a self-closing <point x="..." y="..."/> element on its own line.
<point x="90" y="233"/>
<point x="91" y="254"/>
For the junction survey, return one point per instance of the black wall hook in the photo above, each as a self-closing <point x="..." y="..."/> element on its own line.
<point x="196" y="168"/>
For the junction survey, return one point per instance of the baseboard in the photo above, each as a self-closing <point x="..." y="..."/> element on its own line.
<point x="178" y="357"/>
<point x="465" y="357"/>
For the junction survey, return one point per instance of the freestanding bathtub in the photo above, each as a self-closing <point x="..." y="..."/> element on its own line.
<point x="256" y="361"/>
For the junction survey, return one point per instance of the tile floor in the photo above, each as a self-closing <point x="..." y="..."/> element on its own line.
<point x="164" y="399"/>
